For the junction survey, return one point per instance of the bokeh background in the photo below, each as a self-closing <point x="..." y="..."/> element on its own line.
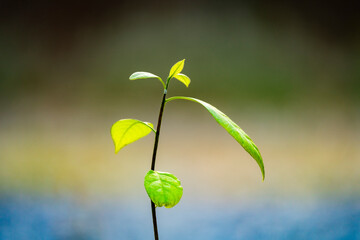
<point x="288" y="72"/>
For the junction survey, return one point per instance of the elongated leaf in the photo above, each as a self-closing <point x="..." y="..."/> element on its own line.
<point x="176" y="69"/>
<point x="144" y="75"/>
<point x="183" y="78"/>
<point x="163" y="188"/>
<point x="126" y="131"/>
<point x="233" y="129"/>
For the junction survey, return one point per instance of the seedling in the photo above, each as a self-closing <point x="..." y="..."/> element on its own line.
<point x="164" y="189"/>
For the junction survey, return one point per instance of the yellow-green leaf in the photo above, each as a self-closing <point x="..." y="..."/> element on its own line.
<point x="183" y="78"/>
<point x="163" y="188"/>
<point x="144" y="75"/>
<point x="126" y="131"/>
<point x="233" y="129"/>
<point x="176" y="69"/>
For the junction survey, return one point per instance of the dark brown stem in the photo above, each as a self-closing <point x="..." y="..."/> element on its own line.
<point x="158" y="133"/>
<point x="153" y="210"/>
<point x="156" y="235"/>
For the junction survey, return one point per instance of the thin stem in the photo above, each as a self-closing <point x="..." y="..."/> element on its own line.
<point x="158" y="132"/>
<point x="153" y="210"/>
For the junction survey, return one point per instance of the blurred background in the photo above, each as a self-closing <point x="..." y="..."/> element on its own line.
<point x="286" y="71"/>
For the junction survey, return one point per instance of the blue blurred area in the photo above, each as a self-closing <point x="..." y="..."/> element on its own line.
<point x="24" y="217"/>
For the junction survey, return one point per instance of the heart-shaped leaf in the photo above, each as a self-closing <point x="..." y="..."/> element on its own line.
<point x="176" y="69"/>
<point x="144" y="75"/>
<point x="126" y="131"/>
<point x="183" y="78"/>
<point x="233" y="129"/>
<point x="163" y="188"/>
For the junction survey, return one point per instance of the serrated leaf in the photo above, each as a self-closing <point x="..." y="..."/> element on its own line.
<point x="126" y="131"/>
<point x="176" y="69"/>
<point x="163" y="188"/>
<point x="233" y="129"/>
<point x="183" y="78"/>
<point x="144" y="75"/>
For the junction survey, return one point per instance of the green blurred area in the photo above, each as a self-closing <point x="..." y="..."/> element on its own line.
<point x="291" y="88"/>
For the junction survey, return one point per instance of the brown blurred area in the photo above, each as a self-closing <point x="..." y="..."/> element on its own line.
<point x="286" y="71"/>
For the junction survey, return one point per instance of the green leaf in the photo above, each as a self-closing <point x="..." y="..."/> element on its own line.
<point x="234" y="130"/>
<point x="176" y="69"/>
<point x="144" y="75"/>
<point x="183" y="78"/>
<point x="163" y="188"/>
<point x="126" y="131"/>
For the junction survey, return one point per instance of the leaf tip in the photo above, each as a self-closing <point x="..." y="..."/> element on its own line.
<point x="182" y="63"/>
<point x="117" y="149"/>
<point x="262" y="168"/>
<point x="131" y="77"/>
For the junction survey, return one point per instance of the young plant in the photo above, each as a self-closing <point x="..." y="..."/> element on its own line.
<point x="164" y="189"/>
